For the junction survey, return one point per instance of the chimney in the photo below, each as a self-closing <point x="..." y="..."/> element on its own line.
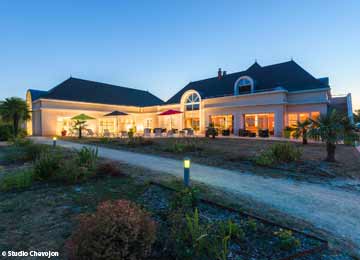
<point x="224" y="73"/>
<point x="219" y="74"/>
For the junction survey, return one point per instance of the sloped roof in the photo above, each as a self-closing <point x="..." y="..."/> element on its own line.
<point x="36" y="94"/>
<point x="288" y="75"/>
<point x="74" y="89"/>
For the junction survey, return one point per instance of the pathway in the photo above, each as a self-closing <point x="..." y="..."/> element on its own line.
<point x="327" y="207"/>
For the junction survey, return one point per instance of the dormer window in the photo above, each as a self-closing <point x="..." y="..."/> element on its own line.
<point x="244" y="85"/>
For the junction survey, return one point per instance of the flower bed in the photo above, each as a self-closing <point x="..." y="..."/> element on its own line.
<point x="261" y="239"/>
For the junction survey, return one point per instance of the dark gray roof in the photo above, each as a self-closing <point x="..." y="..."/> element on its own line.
<point x="288" y="75"/>
<point x="36" y="94"/>
<point x="74" y="89"/>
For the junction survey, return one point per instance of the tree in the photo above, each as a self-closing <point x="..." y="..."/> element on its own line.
<point x="357" y="116"/>
<point x="301" y="130"/>
<point x="211" y="131"/>
<point x="14" y="110"/>
<point x="331" y="129"/>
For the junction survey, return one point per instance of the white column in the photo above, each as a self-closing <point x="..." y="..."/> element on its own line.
<point x="279" y="122"/>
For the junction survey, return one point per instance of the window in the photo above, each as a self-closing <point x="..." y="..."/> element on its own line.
<point x="148" y="123"/>
<point x="293" y="118"/>
<point x="244" y="85"/>
<point x="192" y="102"/>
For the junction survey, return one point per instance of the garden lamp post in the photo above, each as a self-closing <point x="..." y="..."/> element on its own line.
<point x="54" y="141"/>
<point x="187" y="171"/>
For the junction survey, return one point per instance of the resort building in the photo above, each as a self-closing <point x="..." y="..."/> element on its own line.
<point x="258" y="98"/>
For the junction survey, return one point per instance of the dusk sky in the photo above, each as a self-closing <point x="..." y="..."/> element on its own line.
<point x="160" y="46"/>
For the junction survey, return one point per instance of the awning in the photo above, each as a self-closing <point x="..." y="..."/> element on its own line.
<point x="170" y="112"/>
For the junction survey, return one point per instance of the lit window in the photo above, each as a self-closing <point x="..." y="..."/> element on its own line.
<point x="192" y="102"/>
<point x="303" y="116"/>
<point x="315" y="115"/>
<point x="292" y="119"/>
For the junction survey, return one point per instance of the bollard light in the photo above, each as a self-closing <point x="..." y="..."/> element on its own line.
<point x="187" y="172"/>
<point x="54" y="141"/>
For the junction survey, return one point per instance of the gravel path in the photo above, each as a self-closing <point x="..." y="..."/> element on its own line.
<point x="331" y="208"/>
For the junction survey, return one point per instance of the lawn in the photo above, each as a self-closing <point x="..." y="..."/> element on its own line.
<point x="44" y="215"/>
<point x="240" y="153"/>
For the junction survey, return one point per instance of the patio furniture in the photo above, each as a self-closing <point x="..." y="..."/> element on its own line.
<point x="123" y="134"/>
<point x="225" y="132"/>
<point x="106" y="133"/>
<point x="243" y="132"/>
<point x="181" y="133"/>
<point x="252" y="134"/>
<point x="190" y="132"/>
<point x="263" y="132"/>
<point x="158" y="132"/>
<point x="147" y="131"/>
<point x="90" y="132"/>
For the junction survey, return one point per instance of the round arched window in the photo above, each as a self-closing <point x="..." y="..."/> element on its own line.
<point x="192" y="102"/>
<point x="244" y="85"/>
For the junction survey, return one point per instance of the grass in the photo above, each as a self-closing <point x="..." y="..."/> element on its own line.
<point x="240" y="153"/>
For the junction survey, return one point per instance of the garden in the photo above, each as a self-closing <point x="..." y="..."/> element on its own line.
<point x="89" y="208"/>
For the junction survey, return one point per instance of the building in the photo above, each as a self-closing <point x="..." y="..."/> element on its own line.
<point x="260" y="97"/>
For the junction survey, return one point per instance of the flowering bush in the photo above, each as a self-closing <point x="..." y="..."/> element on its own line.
<point x="117" y="230"/>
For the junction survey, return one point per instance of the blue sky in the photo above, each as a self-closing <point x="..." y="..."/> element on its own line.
<point x="162" y="45"/>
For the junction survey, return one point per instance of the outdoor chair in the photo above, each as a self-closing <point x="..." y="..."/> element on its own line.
<point x="90" y="132"/>
<point x="147" y="131"/>
<point x="182" y="133"/>
<point x="106" y="133"/>
<point x="171" y="133"/>
<point x="190" y="132"/>
<point x="158" y="132"/>
<point x="123" y="134"/>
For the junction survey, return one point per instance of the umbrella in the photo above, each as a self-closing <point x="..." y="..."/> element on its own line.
<point x="82" y="117"/>
<point x="117" y="113"/>
<point x="170" y="112"/>
<point x="80" y="121"/>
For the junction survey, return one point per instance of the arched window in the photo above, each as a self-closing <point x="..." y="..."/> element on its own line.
<point x="244" y="85"/>
<point x="192" y="102"/>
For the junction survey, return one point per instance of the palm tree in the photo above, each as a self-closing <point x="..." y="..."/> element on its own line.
<point x="331" y="129"/>
<point x="14" y="110"/>
<point x="301" y="130"/>
<point x="80" y="122"/>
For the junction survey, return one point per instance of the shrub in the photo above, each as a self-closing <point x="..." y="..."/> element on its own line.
<point x="6" y="132"/>
<point x="25" y="150"/>
<point x="87" y="157"/>
<point x="186" y="199"/>
<point x="279" y="153"/>
<point x="70" y="172"/>
<point x="46" y="165"/>
<point x="139" y="141"/>
<point x="183" y="146"/>
<point x="19" y="179"/>
<point x="286" y="240"/>
<point x="191" y="239"/>
<point x="109" y="169"/>
<point x="117" y="230"/>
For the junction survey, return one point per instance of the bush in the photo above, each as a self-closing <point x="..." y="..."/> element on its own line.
<point x="109" y="169"/>
<point x="117" y="230"/>
<point x="286" y="240"/>
<point x="279" y="153"/>
<point x="139" y="141"/>
<point x="87" y="157"/>
<point x="25" y="150"/>
<point x="186" y="199"/>
<point x="6" y="132"/>
<point x="19" y="179"/>
<point x="70" y="172"/>
<point x="184" y="146"/>
<point x="46" y="165"/>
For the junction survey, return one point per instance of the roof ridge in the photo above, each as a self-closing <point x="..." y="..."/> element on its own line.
<point x="107" y="84"/>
